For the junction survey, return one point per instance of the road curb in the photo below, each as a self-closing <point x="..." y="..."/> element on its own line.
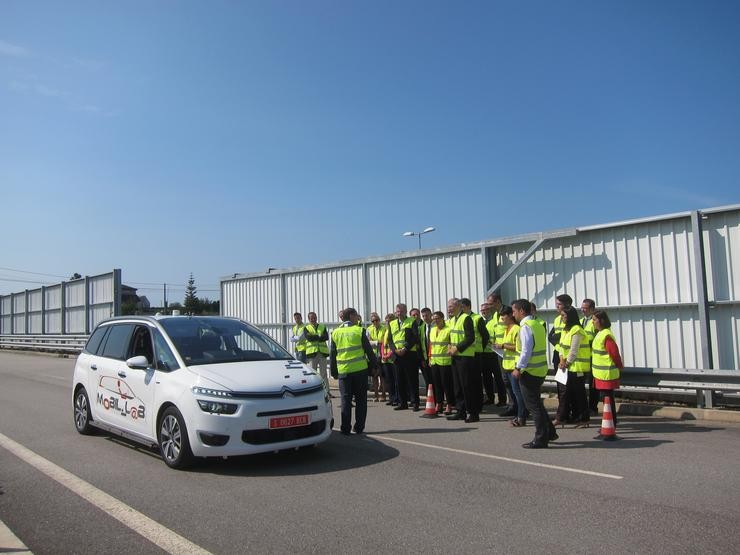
<point x="662" y="411"/>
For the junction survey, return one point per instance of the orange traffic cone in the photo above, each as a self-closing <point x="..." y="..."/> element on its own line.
<point x="430" y="411"/>
<point x="608" y="430"/>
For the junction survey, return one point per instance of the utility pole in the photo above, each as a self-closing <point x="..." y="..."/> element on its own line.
<point x="165" y="296"/>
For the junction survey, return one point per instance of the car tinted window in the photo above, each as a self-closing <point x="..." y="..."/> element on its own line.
<point x="202" y="340"/>
<point x="165" y="359"/>
<point x="95" y="339"/>
<point x="117" y="341"/>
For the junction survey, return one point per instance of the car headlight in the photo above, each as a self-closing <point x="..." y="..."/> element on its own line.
<point x="211" y="392"/>
<point x="217" y="407"/>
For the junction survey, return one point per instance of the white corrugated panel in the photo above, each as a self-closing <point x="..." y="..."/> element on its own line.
<point x="34" y="300"/>
<point x="19" y="302"/>
<point x="325" y="292"/>
<point x="722" y="255"/>
<point x="98" y="313"/>
<point x="53" y="321"/>
<point x="641" y="264"/>
<point x="427" y="281"/>
<point x="74" y="293"/>
<point x="53" y="297"/>
<point x="35" y="321"/>
<point x="74" y="320"/>
<point x="256" y="300"/>
<point x="101" y="289"/>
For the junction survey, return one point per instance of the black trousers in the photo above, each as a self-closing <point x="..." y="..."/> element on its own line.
<point x="531" y="387"/>
<point x="408" y="377"/>
<point x="494" y="362"/>
<point x="486" y="373"/>
<point x="353" y="386"/>
<point x="573" y="399"/>
<point x="468" y="386"/>
<point x="438" y="381"/>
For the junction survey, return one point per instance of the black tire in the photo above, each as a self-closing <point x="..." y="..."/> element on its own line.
<point x="82" y="416"/>
<point x="172" y="436"/>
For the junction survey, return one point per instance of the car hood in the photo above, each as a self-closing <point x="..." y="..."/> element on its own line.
<point x="264" y="376"/>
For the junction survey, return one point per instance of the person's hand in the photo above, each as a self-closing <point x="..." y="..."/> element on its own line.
<point x="516" y="373"/>
<point x="452" y="350"/>
<point x="400" y="352"/>
<point x="561" y="365"/>
<point x="498" y="345"/>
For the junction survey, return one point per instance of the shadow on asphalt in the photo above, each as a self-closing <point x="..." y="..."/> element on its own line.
<point x="654" y="425"/>
<point x="395" y="431"/>
<point x="623" y="443"/>
<point x="338" y="453"/>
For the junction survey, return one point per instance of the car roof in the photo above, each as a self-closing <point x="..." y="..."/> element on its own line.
<point x="158" y="317"/>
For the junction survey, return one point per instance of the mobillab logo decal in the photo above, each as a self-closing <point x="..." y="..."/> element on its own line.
<point x="117" y="396"/>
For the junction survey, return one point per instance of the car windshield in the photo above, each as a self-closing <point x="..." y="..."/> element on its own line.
<point x="201" y="340"/>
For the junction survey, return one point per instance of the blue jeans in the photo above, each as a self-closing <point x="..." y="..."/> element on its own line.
<point x="521" y="409"/>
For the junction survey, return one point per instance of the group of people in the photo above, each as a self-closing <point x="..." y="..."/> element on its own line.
<point x="497" y="357"/>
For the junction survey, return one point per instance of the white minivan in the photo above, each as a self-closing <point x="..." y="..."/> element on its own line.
<point x="197" y="387"/>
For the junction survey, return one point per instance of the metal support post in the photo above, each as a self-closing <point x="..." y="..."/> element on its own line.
<point x="703" y="398"/>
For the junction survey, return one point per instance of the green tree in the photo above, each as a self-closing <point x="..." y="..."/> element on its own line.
<point x="191" y="303"/>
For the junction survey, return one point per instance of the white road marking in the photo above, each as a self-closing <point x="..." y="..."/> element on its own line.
<point x="10" y="543"/>
<point x="496" y="457"/>
<point x="62" y="378"/>
<point x="169" y="541"/>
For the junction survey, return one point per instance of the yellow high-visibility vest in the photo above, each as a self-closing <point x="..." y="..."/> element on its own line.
<point x="537" y="365"/>
<point x="582" y="363"/>
<point x="439" y="340"/>
<point x="602" y="364"/>
<point x="510" y="357"/>
<point x="350" y="354"/>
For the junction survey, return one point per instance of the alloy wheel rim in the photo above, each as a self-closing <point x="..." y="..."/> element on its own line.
<point x="171" y="438"/>
<point x="81" y="411"/>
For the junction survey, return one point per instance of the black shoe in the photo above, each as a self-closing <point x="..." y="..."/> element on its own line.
<point x="472" y="418"/>
<point x="389" y="403"/>
<point x="402" y="406"/>
<point x="415" y="408"/>
<point x="359" y="433"/>
<point x="344" y="433"/>
<point x="533" y="445"/>
<point x="490" y="401"/>
<point x="553" y="436"/>
<point x="457" y="416"/>
<point x="508" y="412"/>
<point x="501" y="404"/>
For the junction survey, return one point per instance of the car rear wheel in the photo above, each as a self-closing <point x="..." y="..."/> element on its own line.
<point x="173" y="440"/>
<point x="82" y="412"/>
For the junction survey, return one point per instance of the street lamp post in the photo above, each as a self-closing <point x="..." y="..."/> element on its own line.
<point x="418" y="234"/>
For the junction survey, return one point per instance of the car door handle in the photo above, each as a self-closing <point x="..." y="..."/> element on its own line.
<point x="93" y="367"/>
<point x="122" y="374"/>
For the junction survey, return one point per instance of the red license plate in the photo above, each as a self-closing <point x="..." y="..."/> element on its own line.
<point x="289" y="421"/>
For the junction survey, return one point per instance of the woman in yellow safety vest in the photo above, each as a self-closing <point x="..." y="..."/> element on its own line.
<point x="440" y="363"/>
<point x="512" y="348"/>
<point x="390" y="380"/>
<point x="606" y="362"/>
<point x="575" y="357"/>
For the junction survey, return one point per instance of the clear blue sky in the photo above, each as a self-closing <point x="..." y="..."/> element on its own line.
<point x="166" y="137"/>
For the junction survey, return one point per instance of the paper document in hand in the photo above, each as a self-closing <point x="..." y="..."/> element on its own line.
<point x="561" y="376"/>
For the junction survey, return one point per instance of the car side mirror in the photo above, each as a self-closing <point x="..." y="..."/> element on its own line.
<point x="140" y="362"/>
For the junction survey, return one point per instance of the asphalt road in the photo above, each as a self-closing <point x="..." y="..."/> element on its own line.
<point x="411" y="484"/>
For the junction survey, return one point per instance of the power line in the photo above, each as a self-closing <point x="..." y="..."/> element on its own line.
<point x="30" y="272"/>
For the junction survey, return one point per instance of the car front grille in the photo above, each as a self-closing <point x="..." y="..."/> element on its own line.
<point x="261" y="437"/>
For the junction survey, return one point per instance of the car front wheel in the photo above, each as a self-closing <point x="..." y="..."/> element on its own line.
<point x="82" y="412"/>
<point x="173" y="440"/>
